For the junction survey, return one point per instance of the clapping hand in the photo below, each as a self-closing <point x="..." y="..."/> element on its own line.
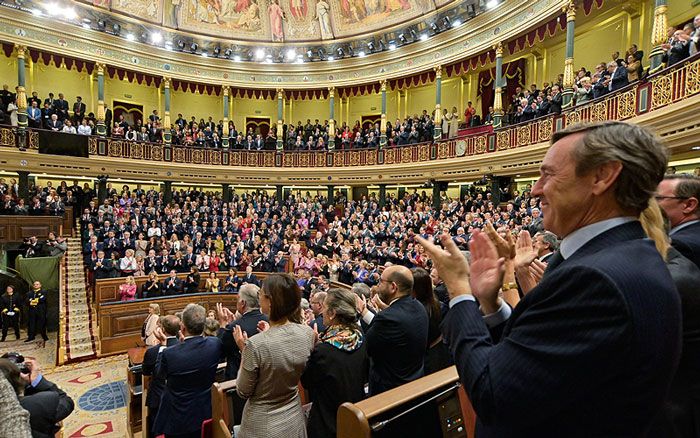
<point x="487" y="269"/>
<point x="505" y="247"/>
<point x="378" y="303"/>
<point x="263" y="326"/>
<point x="537" y="269"/>
<point x="224" y="315"/>
<point x="524" y="252"/>
<point x="240" y="337"/>
<point x="361" y="304"/>
<point x="450" y="263"/>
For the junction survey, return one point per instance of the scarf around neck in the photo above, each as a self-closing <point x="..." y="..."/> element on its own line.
<point x="343" y="338"/>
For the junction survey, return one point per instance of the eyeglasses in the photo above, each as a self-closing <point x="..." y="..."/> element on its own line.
<point x="659" y="198"/>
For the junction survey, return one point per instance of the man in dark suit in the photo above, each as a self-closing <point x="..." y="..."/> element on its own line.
<point x="34" y="115"/>
<point x="170" y="326"/>
<point x="101" y="266"/>
<point x="397" y="336"/>
<point x="78" y="111"/>
<point x="678" y="195"/>
<point x="189" y="369"/>
<point x="249" y="277"/>
<point x="61" y="106"/>
<point x="545" y="243"/>
<point x="172" y="285"/>
<point x="562" y="360"/>
<point x="556" y="100"/>
<point x="618" y="76"/>
<point x="248" y="306"/>
<point x="36" y="321"/>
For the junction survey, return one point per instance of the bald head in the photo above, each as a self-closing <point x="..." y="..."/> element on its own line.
<point x="170" y="324"/>
<point x="401" y="276"/>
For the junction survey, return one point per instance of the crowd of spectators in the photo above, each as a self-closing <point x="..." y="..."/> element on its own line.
<point x="134" y="232"/>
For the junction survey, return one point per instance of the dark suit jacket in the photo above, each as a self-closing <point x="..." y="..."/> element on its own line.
<point x="396" y="341"/>
<point x="249" y="324"/>
<point x="555" y="104"/>
<point x="332" y="377"/>
<point x="687" y="242"/>
<point x="189" y="369"/>
<point x="252" y="279"/>
<point x="47" y="405"/>
<point x="680" y="415"/>
<point x="150" y="360"/>
<point x="619" y="79"/>
<point x="175" y="289"/>
<point x="588" y="352"/>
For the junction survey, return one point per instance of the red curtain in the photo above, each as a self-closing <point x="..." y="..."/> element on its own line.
<point x="514" y="75"/>
<point x="260" y="125"/>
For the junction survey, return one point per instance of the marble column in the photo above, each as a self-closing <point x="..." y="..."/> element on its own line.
<point x="498" y="86"/>
<point x="101" y="127"/>
<point x="280" y="116"/>
<point x="659" y="35"/>
<point x="331" y="119"/>
<point x="21" y="97"/>
<point x="167" y="135"/>
<point x="23" y="185"/>
<point x="382" y="124"/>
<point x="167" y="192"/>
<point x="568" y="92"/>
<point x="331" y="195"/>
<point x="437" y="119"/>
<point x="224" y="141"/>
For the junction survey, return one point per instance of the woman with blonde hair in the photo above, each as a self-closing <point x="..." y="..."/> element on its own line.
<point x="127" y="291"/>
<point x="680" y="411"/>
<point x="213" y="283"/>
<point x="148" y="331"/>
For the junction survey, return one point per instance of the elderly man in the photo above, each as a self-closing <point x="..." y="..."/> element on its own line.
<point x="189" y="368"/>
<point x="248" y="307"/>
<point x="593" y="347"/>
<point x="679" y="195"/>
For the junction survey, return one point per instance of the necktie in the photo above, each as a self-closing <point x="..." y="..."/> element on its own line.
<point x="554" y="261"/>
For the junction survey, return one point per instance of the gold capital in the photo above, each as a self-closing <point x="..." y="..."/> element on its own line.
<point x="21" y="51"/>
<point x="331" y="92"/>
<point x="226" y="89"/>
<point x="382" y="83"/>
<point x="100" y="68"/>
<point x="499" y="50"/>
<point x="660" y="27"/>
<point x="280" y="93"/>
<point x="570" y="10"/>
<point x="438" y="71"/>
<point x="166" y="82"/>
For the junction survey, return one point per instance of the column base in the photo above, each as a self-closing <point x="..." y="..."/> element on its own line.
<point x="224" y="143"/>
<point x="497" y="120"/>
<point x="656" y="59"/>
<point x="101" y="128"/>
<point x="331" y="144"/>
<point x="280" y="145"/>
<point x="382" y="141"/>
<point x="567" y="97"/>
<point x="437" y="133"/>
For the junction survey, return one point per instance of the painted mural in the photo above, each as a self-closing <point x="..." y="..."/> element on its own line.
<point x="274" y="20"/>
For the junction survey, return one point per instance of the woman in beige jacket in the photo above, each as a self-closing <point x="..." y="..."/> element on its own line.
<point x="150" y="324"/>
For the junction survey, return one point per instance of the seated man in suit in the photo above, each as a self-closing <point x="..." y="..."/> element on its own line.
<point x="189" y="368"/>
<point x="678" y="195"/>
<point x="248" y="306"/>
<point x="397" y="336"/>
<point x="167" y="333"/>
<point x="172" y="285"/>
<point x="101" y="266"/>
<point x="562" y="360"/>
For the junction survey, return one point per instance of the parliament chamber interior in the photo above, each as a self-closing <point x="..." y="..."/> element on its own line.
<point x="365" y="218"/>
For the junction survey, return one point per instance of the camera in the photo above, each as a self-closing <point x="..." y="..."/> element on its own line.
<point x="17" y="359"/>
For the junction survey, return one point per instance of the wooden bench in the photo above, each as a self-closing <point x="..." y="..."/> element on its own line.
<point x="356" y="420"/>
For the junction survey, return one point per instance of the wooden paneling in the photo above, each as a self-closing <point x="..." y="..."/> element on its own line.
<point x="15" y="228"/>
<point x="120" y="323"/>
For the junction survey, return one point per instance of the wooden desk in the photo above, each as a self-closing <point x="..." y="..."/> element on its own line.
<point x="120" y="322"/>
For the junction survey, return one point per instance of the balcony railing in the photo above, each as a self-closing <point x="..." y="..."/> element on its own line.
<point x="666" y="87"/>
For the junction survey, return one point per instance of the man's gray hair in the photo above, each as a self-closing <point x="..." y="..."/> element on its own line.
<point x="551" y="239"/>
<point x="361" y="290"/>
<point x="250" y="294"/>
<point x="644" y="158"/>
<point x="688" y="187"/>
<point x="193" y="318"/>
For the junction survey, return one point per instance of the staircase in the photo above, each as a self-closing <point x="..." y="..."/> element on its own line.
<point x="77" y="320"/>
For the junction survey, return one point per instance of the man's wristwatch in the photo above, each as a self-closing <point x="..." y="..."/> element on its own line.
<point x="509" y="286"/>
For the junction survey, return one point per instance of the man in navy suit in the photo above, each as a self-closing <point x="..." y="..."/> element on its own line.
<point x="172" y="285"/>
<point x="618" y="76"/>
<point x="678" y="195"/>
<point x="248" y="306"/>
<point x="170" y="329"/>
<point x="592" y="349"/>
<point x="249" y="277"/>
<point x="189" y="368"/>
<point x="397" y="336"/>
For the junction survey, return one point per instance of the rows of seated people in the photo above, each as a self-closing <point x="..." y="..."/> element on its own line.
<point x="135" y="232"/>
<point x="43" y="200"/>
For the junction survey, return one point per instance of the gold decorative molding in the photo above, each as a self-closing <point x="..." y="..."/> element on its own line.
<point x="499" y="50"/>
<point x="21" y="51"/>
<point x="659" y="30"/>
<point x="570" y="10"/>
<point x="166" y="82"/>
<point x="438" y="72"/>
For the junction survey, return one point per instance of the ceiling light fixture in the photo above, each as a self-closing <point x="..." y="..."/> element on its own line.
<point x="434" y="27"/>
<point x="156" y="37"/>
<point x="424" y="37"/>
<point x="291" y="54"/>
<point x="130" y="36"/>
<point x="402" y="38"/>
<point x="259" y="54"/>
<point x="217" y="51"/>
<point x="361" y="54"/>
<point x="331" y="58"/>
<point x="205" y="54"/>
<point x="193" y="47"/>
<point x="457" y="23"/>
<point x="180" y="44"/>
<point x="237" y="58"/>
<point x="446" y="20"/>
<point x="491" y="4"/>
<point x="341" y="52"/>
<point x="37" y="12"/>
<point x="116" y="27"/>
<point x="392" y="45"/>
<point x="370" y="46"/>
<point x="228" y="53"/>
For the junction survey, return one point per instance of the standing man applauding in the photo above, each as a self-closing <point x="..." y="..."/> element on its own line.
<point x="36" y="323"/>
<point x="592" y="349"/>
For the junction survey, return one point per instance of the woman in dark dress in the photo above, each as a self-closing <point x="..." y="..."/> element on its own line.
<point x="336" y="371"/>
<point x="437" y="356"/>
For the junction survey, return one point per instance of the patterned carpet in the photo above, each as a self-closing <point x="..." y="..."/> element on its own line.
<point x="98" y="388"/>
